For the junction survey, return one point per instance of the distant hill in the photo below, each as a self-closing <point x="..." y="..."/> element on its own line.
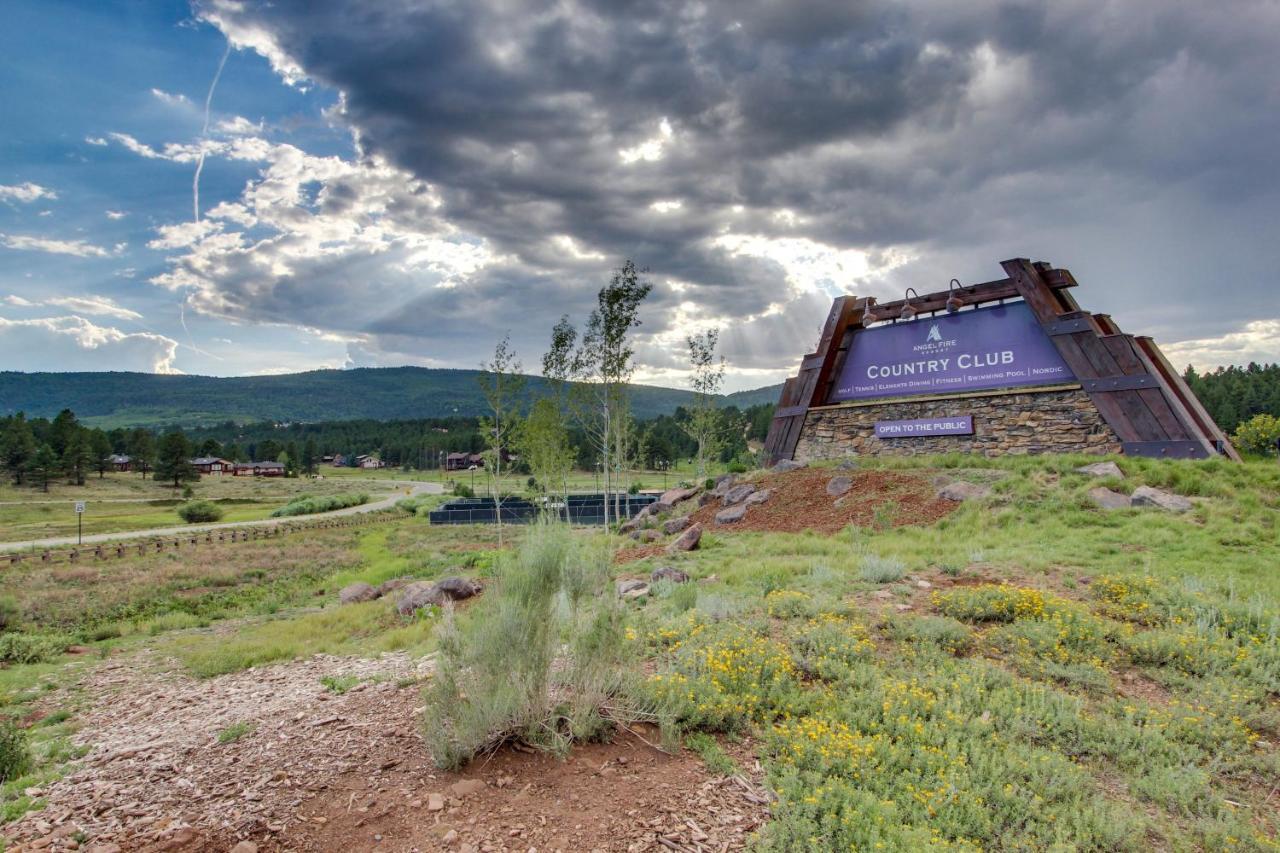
<point x="381" y="393"/>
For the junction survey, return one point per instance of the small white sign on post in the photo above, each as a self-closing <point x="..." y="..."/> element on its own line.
<point x="79" y="507"/>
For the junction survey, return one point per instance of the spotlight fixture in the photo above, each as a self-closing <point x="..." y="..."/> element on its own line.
<point x="908" y="310"/>
<point x="954" y="302"/>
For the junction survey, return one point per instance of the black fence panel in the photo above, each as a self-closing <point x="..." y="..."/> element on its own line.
<point x="581" y="509"/>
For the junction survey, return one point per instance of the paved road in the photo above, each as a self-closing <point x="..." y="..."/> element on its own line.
<point x="416" y="488"/>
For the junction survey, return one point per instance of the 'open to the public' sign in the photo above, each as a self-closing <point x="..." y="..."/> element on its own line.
<point x="1000" y="347"/>
<point x="958" y="425"/>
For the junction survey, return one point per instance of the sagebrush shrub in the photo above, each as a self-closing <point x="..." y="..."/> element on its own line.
<point x="15" y="754"/>
<point x="536" y="659"/>
<point x="309" y="505"/>
<point x="10" y="614"/>
<point x="877" y="569"/>
<point x="196" y="512"/>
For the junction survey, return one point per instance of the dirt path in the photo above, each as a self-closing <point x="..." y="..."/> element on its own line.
<point x="313" y="770"/>
<point x="385" y="502"/>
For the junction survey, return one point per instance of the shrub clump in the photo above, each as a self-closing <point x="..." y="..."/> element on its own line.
<point x="10" y="614"/>
<point x="31" y="648"/>
<point x="311" y="504"/>
<point x="994" y="603"/>
<point x="538" y="661"/>
<point x="877" y="569"/>
<point x="15" y="754"/>
<point x="197" y="512"/>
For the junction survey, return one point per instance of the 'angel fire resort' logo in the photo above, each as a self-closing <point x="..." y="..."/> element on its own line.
<point x="934" y="342"/>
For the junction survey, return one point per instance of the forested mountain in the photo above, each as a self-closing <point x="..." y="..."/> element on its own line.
<point x="384" y="394"/>
<point x="1233" y="394"/>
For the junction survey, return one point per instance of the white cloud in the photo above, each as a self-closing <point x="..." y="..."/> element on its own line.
<point x="238" y="126"/>
<point x="27" y="192"/>
<point x="1258" y="341"/>
<point x="170" y="99"/>
<point x="77" y="248"/>
<point x="116" y="214"/>
<point x="100" y="305"/>
<point x="74" y="343"/>
<point x="95" y="140"/>
<point x="650" y="150"/>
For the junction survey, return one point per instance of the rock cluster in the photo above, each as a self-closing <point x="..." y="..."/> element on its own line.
<point x="1143" y="496"/>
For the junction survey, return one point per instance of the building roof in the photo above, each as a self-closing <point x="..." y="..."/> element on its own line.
<point x="121" y="458"/>
<point x="208" y="460"/>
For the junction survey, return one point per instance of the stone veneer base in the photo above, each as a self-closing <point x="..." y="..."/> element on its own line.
<point x="1061" y="419"/>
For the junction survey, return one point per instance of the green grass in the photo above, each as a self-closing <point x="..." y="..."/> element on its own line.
<point x="712" y="754"/>
<point x="339" y="684"/>
<point x="235" y="731"/>
<point x="368" y="628"/>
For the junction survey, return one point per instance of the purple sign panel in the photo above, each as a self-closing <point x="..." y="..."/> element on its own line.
<point x="1000" y="347"/>
<point x="958" y="425"/>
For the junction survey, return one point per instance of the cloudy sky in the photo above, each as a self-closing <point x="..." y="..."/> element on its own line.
<point x="235" y="187"/>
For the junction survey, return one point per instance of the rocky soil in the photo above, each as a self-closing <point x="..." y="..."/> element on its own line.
<point x="309" y="769"/>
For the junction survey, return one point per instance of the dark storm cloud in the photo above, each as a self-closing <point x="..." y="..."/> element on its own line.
<point x="1133" y="142"/>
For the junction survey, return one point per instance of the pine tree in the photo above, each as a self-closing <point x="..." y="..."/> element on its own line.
<point x="19" y="446"/>
<point x="44" y="464"/>
<point x="100" y="451"/>
<point x="77" y="456"/>
<point x="142" y="449"/>
<point x="309" y="457"/>
<point x="173" y="460"/>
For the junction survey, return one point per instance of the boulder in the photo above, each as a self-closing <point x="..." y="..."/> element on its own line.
<point x="1108" y="499"/>
<point x="786" y="466"/>
<point x="732" y="514"/>
<point x="668" y="573"/>
<point x="649" y="535"/>
<point x="675" y="525"/>
<point x="671" y="497"/>
<point x="1148" y="496"/>
<point x="421" y="594"/>
<point x="390" y="586"/>
<point x="848" y="464"/>
<point x="688" y="540"/>
<point x="737" y="494"/>
<point x="758" y="497"/>
<point x="356" y="593"/>
<point x="724" y="483"/>
<point x="630" y="588"/>
<point x="1101" y="469"/>
<point x="962" y="491"/>
<point x="838" y="486"/>
<point x="455" y="589"/>
<point x="707" y="498"/>
<point x="630" y="525"/>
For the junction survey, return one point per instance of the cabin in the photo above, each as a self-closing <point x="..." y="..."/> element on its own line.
<point x="121" y="462"/>
<point x="337" y="460"/>
<point x="212" y="465"/>
<point x="259" y="469"/>
<point x="456" y="462"/>
<point x="369" y="461"/>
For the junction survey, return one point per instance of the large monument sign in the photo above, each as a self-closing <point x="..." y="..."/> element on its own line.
<point x="998" y="347"/>
<point x="1006" y="366"/>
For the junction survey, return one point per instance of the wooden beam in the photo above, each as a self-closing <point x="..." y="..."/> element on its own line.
<point x="1177" y="386"/>
<point x="973" y="294"/>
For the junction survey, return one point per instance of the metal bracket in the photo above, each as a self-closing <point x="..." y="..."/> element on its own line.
<point x="1068" y="327"/>
<point x="1166" y="449"/>
<point x="1119" y="383"/>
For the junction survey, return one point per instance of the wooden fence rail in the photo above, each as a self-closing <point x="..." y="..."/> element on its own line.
<point x="153" y="545"/>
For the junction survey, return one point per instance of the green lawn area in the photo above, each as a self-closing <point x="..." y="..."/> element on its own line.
<point x="120" y="503"/>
